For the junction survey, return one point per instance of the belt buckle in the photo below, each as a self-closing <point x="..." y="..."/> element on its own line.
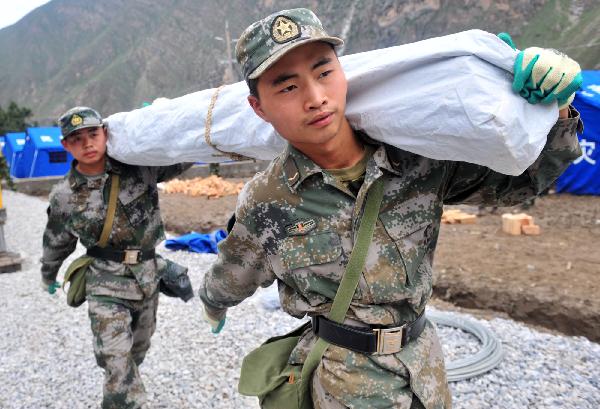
<point x="132" y="256"/>
<point x="389" y="340"/>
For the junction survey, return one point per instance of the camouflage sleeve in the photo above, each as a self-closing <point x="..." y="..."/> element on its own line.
<point x="58" y="243"/>
<point x="242" y="266"/>
<point x="473" y="184"/>
<point x="164" y="173"/>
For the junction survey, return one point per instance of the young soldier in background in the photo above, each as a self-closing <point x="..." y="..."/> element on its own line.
<point x="296" y="222"/>
<point x="122" y="281"/>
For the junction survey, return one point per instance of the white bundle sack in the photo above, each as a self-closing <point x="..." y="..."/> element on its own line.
<point x="446" y="98"/>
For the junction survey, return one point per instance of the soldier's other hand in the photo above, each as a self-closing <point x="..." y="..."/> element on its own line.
<point x="50" y="285"/>
<point x="546" y="75"/>
<point x="216" y="324"/>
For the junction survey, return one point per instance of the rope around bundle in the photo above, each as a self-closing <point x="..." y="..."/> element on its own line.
<point x="207" y="125"/>
<point x="486" y="359"/>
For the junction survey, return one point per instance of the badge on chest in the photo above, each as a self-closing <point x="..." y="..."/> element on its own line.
<point x="301" y="227"/>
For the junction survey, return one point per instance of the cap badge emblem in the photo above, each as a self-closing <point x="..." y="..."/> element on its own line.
<point x="284" y="29"/>
<point x="76" y="120"/>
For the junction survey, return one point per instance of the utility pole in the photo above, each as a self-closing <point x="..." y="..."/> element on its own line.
<point x="229" y="77"/>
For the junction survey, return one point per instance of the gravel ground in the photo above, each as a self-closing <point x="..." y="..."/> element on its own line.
<point x="47" y="359"/>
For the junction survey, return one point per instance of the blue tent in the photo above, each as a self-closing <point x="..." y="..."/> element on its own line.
<point x="583" y="176"/>
<point x="43" y="154"/>
<point x="13" y="150"/>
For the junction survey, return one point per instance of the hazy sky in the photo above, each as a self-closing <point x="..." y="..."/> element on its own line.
<point x="12" y="11"/>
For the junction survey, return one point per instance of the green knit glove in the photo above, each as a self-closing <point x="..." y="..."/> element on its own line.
<point x="50" y="286"/>
<point x="545" y="75"/>
<point x="507" y="39"/>
<point x="216" y="325"/>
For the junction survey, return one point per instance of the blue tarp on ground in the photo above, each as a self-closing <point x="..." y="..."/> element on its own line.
<point x="583" y="176"/>
<point x="197" y="242"/>
<point x="43" y="154"/>
<point x="13" y="150"/>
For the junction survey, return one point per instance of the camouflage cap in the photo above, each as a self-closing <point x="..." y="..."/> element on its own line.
<point x="78" y="118"/>
<point x="267" y="40"/>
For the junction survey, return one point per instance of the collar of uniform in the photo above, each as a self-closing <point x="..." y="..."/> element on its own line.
<point x="77" y="179"/>
<point x="381" y="159"/>
<point x="380" y="155"/>
<point x="297" y="167"/>
<point x="113" y="165"/>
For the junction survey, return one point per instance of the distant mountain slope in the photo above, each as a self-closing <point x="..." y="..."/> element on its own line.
<point x="115" y="54"/>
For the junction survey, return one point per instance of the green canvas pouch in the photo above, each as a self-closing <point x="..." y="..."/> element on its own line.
<point x="267" y="374"/>
<point x="75" y="276"/>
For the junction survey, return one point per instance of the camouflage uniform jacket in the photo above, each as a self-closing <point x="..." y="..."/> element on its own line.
<point x="297" y="224"/>
<point x="77" y="210"/>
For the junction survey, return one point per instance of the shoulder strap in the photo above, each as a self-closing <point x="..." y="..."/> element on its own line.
<point x="110" y="214"/>
<point x="347" y="287"/>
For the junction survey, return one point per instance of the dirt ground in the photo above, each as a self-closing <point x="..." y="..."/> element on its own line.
<point x="551" y="280"/>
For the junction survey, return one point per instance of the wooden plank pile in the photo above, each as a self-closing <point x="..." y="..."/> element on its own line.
<point x="212" y="187"/>
<point x="521" y="223"/>
<point x="457" y="216"/>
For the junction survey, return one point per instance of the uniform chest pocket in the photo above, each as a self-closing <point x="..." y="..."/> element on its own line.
<point x="87" y="212"/>
<point x="311" y="249"/>
<point x="137" y="202"/>
<point x="412" y="241"/>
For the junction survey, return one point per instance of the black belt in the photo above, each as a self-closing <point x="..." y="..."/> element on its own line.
<point x="129" y="256"/>
<point x="365" y="340"/>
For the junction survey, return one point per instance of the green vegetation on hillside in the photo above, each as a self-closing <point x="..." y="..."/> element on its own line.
<point x="14" y="118"/>
<point x="563" y="25"/>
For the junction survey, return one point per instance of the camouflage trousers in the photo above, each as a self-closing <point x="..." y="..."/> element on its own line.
<point x="122" y="330"/>
<point x="324" y="400"/>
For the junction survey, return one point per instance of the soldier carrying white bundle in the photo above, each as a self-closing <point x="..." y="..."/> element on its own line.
<point x="112" y="209"/>
<point x="347" y="223"/>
